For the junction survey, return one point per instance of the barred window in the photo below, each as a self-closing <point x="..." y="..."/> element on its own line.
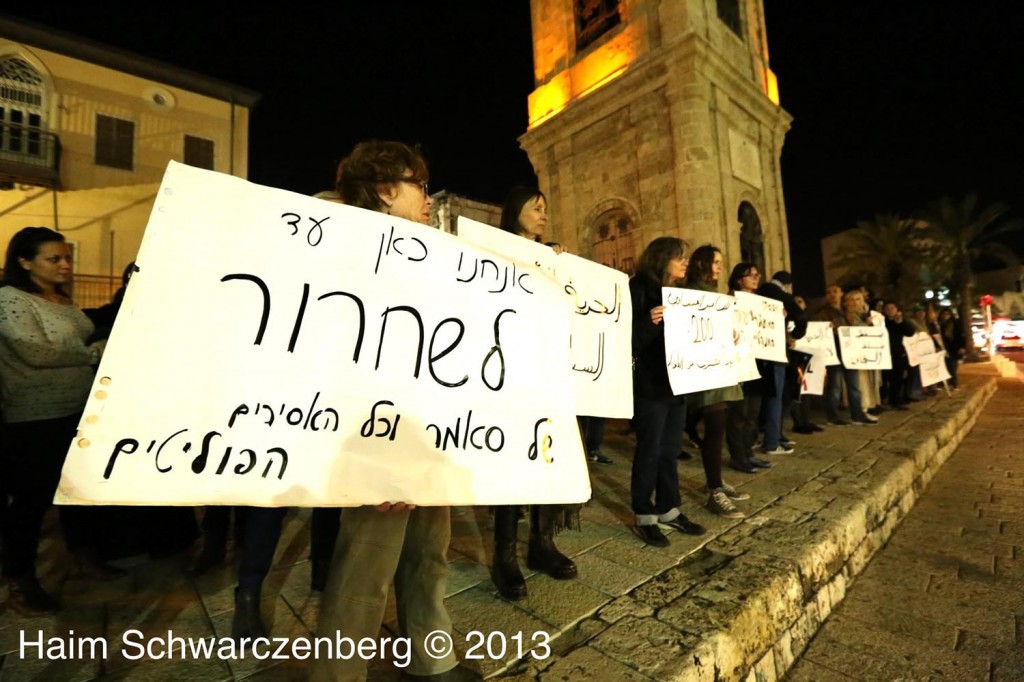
<point x="199" y="152"/>
<point x="115" y="142"/>
<point x="594" y="18"/>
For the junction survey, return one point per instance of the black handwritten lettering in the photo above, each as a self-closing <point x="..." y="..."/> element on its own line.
<point x="266" y="301"/>
<point x="432" y="358"/>
<point x="541" y="445"/>
<point x="468" y="438"/>
<point x="388" y="430"/>
<point x="496" y="350"/>
<point x="419" y="325"/>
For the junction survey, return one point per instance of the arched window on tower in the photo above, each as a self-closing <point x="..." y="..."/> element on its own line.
<point x="751" y="237"/>
<point x="614" y="244"/>
<point x="22" y="110"/>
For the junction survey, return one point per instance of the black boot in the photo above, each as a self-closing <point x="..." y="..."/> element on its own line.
<point x="543" y="556"/>
<point x="247" y="621"/>
<point x="505" y="569"/>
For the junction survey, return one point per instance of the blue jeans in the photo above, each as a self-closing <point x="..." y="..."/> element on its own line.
<point x="654" y="485"/>
<point x="593" y="432"/>
<point x="773" y="408"/>
<point x="834" y="391"/>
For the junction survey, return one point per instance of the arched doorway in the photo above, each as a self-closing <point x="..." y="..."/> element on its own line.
<point x="751" y="236"/>
<point x="613" y="237"/>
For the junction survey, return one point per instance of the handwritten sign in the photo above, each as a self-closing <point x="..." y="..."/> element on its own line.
<point x="280" y="350"/>
<point x="746" y="362"/>
<point x="766" y="323"/>
<point x="819" y="336"/>
<point x="918" y="346"/>
<point x="699" y="344"/>
<point x="813" y="379"/>
<point x="865" y="347"/>
<point x="933" y="369"/>
<point x="599" y="312"/>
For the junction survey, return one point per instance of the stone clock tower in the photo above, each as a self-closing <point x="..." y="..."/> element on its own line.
<point x="658" y="117"/>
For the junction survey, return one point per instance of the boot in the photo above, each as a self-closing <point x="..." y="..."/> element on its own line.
<point x="91" y="567"/>
<point x="543" y="556"/>
<point x="505" y="570"/>
<point x="247" y="621"/>
<point x="27" y="597"/>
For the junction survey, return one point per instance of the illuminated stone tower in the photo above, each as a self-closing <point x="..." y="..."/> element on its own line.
<point x="658" y="117"/>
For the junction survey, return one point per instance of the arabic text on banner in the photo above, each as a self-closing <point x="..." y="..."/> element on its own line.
<point x="819" y="336"/>
<point x="766" y="325"/>
<point x="865" y="347"/>
<point x="699" y="344"/>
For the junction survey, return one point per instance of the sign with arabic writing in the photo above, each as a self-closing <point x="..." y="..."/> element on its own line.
<point x="699" y="343"/>
<point x="766" y="325"/>
<point x="279" y="350"/>
<point x="918" y="346"/>
<point x="819" y="336"/>
<point x="865" y="347"/>
<point x="600" y="315"/>
<point x="933" y="368"/>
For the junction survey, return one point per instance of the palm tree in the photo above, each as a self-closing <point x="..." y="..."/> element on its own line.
<point x="883" y="254"/>
<point x="961" y="233"/>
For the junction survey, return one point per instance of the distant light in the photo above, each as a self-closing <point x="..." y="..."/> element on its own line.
<point x="929" y="295"/>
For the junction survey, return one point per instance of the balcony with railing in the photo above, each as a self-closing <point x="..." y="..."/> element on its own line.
<point x="29" y="156"/>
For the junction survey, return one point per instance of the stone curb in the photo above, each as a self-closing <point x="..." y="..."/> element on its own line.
<point x="746" y="604"/>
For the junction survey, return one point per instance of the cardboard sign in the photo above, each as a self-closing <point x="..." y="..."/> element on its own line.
<point x="599" y="311"/>
<point x="865" y="347"/>
<point x="933" y="369"/>
<point x="813" y="380"/>
<point x="699" y="345"/>
<point x="278" y="350"/>
<point x="918" y="346"/>
<point x="767" y="325"/>
<point x="819" y="336"/>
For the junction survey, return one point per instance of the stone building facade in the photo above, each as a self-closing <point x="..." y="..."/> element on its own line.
<point x="658" y="117"/>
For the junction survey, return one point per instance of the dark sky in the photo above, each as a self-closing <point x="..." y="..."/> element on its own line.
<point x="895" y="103"/>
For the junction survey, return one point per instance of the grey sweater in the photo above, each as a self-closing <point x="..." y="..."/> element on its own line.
<point x="46" y="370"/>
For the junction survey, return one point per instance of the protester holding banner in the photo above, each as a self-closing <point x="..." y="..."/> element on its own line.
<point x="659" y="416"/>
<point x="702" y="274"/>
<point x="46" y="373"/>
<point x="854" y="308"/>
<point x="837" y="376"/>
<point x="773" y="374"/>
<point x="894" y="380"/>
<point x="393" y="541"/>
<point x="741" y="416"/>
<point x="953" y="340"/>
<point x="798" y="363"/>
<point x="525" y="213"/>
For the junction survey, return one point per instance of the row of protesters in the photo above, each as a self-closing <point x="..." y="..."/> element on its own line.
<point x="703" y="273"/>
<point x="842" y="310"/>
<point x="46" y="372"/>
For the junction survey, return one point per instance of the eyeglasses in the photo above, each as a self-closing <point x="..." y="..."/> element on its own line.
<point x="421" y="183"/>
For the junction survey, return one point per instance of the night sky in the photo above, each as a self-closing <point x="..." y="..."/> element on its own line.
<point x="894" y="103"/>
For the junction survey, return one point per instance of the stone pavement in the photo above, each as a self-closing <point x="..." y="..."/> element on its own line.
<point x="739" y="603"/>
<point x="944" y="600"/>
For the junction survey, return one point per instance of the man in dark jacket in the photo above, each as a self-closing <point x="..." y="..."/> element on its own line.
<point x="773" y="374"/>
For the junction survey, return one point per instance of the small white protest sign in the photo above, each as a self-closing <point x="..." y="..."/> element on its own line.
<point x="277" y="350"/>
<point x="767" y="325"/>
<point x="819" y="336"/>
<point x="918" y="346"/>
<point x="699" y="346"/>
<point x="600" y="314"/>
<point x="746" y="362"/>
<point x="814" y="376"/>
<point x="865" y="347"/>
<point x="933" y="369"/>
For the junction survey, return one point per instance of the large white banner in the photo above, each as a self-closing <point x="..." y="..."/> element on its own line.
<point x="599" y="310"/>
<point x="819" y="336"/>
<point x="699" y="345"/>
<point x="767" y="325"/>
<point x="276" y="350"/>
<point x="865" y="347"/>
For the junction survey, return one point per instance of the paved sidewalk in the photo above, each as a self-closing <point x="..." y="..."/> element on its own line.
<point x="944" y="600"/>
<point x="744" y="598"/>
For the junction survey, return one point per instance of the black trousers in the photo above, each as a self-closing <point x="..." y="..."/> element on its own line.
<point x="31" y="460"/>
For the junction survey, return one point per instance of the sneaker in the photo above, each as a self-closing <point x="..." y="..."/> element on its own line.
<point x="838" y="422"/>
<point x="719" y="503"/>
<point x="876" y="410"/>
<point x="815" y="428"/>
<point x="786" y="442"/>
<point x="684" y="525"/>
<point x="781" y="450"/>
<point x="868" y="421"/>
<point x="652" y="535"/>
<point x="744" y="467"/>
<point x="732" y="493"/>
<point x="760" y="463"/>
<point x="805" y="430"/>
<point x="598" y="457"/>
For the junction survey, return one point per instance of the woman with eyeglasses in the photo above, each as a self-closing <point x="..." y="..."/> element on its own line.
<point x="703" y="273"/>
<point x="397" y="542"/>
<point x="659" y="416"/>
<point x="46" y="373"/>
<point x="525" y="213"/>
<point x="741" y="416"/>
